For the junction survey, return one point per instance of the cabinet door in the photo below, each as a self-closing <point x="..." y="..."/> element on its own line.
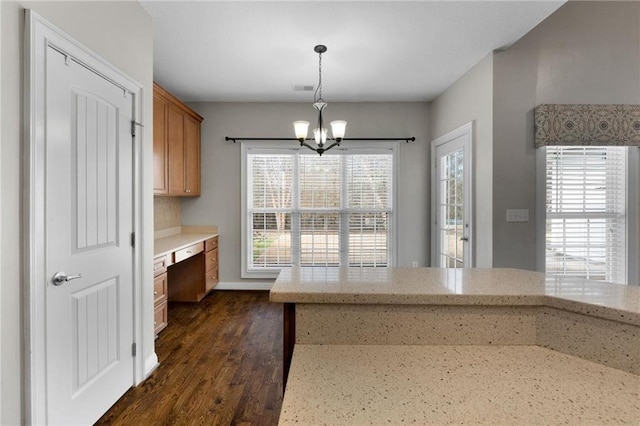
<point x="160" y="164"/>
<point x="160" y="317"/>
<point x="159" y="289"/>
<point x="192" y="156"/>
<point x="175" y="130"/>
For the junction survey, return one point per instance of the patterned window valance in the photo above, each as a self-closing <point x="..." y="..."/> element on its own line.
<point x="567" y="124"/>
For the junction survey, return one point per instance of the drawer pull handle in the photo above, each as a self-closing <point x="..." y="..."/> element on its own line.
<point x="188" y="251"/>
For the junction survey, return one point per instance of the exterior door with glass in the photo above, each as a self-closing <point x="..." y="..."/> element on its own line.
<point x="451" y="199"/>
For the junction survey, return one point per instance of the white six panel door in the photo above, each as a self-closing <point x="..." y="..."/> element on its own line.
<point x="89" y="219"/>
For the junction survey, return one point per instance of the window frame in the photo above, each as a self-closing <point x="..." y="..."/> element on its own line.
<point x="283" y="147"/>
<point x="632" y="209"/>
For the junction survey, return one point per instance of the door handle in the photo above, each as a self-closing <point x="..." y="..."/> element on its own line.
<point x="61" y="277"/>
<point x="464" y="239"/>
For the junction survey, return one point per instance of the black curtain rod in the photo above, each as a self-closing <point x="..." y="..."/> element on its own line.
<point x="407" y="140"/>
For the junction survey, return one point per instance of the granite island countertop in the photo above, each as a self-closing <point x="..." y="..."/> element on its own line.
<point x="438" y="286"/>
<point x="515" y="385"/>
<point x="569" y="354"/>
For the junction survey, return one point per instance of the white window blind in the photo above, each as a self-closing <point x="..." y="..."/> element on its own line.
<point x="271" y="201"/>
<point x="310" y="210"/>
<point x="319" y="201"/>
<point x="369" y="179"/>
<point x="585" y="212"/>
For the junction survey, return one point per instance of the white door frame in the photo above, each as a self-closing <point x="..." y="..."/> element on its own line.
<point x="466" y="131"/>
<point x="39" y="35"/>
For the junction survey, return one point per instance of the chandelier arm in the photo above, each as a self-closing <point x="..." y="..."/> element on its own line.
<point x="308" y="146"/>
<point x="332" y="145"/>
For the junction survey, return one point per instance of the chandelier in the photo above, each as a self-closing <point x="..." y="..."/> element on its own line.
<point x="338" y="127"/>
<point x="320" y="134"/>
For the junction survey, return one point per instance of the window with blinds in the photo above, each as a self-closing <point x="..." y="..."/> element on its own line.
<point x="310" y="210"/>
<point x="585" y="212"/>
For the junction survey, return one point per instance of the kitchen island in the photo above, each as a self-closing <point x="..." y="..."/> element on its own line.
<point x="418" y="320"/>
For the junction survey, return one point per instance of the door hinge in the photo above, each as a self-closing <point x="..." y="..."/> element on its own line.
<point x="133" y="349"/>
<point x="134" y="124"/>
<point x="133" y="239"/>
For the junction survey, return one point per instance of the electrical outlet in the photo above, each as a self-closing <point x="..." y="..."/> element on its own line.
<point x="517" y="215"/>
<point x="414" y="264"/>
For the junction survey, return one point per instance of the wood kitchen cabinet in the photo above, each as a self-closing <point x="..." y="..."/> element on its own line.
<point x="211" y="263"/>
<point x="160" y="159"/>
<point x="176" y="146"/>
<point x="160" y="312"/>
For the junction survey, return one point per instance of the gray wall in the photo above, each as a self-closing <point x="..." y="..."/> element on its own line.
<point x="130" y="48"/>
<point x="586" y="52"/>
<point x="220" y="200"/>
<point x="471" y="99"/>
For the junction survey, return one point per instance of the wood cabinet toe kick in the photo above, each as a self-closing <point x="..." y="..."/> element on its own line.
<point x="184" y="275"/>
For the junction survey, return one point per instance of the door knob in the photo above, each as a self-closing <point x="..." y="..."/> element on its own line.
<point x="61" y="277"/>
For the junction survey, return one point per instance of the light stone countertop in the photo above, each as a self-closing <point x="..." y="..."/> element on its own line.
<point x="522" y="385"/>
<point x="438" y="286"/>
<point x="182" y="237"/>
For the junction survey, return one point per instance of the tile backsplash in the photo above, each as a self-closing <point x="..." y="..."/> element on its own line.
<point x="166" y="213"/>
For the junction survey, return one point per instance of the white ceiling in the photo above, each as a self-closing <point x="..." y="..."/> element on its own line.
<point x="377" y="51"/>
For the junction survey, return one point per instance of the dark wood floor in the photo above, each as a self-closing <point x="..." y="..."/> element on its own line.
<point x="220" y="364"/>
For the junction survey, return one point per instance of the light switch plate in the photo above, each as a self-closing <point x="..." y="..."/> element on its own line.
<point x="517" y="215"/>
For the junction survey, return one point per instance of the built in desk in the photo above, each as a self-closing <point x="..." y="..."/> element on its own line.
<point x="185" y="268"/>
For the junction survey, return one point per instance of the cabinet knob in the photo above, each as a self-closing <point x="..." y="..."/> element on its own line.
<point x="155" y="292"/>
<point x="155" y="323"/>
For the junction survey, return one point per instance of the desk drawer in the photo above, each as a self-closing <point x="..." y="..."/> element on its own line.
<point x="211" y="259"/>
<point x="160" y="264"/>
<point x="160" y="317"/>
<point x="211" y="244"/>
<point x="160" y="288"/>
<point x="211" y="279"/>
<point x="187" y="252"/>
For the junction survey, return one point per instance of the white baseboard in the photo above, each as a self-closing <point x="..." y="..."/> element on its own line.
<point x="150" y="364"/>
<point x="244" y="285"/>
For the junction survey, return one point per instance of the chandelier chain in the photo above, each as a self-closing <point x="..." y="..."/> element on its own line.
<point x="319" y="89"/>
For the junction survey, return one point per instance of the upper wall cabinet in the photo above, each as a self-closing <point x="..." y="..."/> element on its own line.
<point x="176" y="146"/>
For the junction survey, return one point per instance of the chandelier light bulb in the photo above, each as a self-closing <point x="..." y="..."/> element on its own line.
<point x="320" y="137"/>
